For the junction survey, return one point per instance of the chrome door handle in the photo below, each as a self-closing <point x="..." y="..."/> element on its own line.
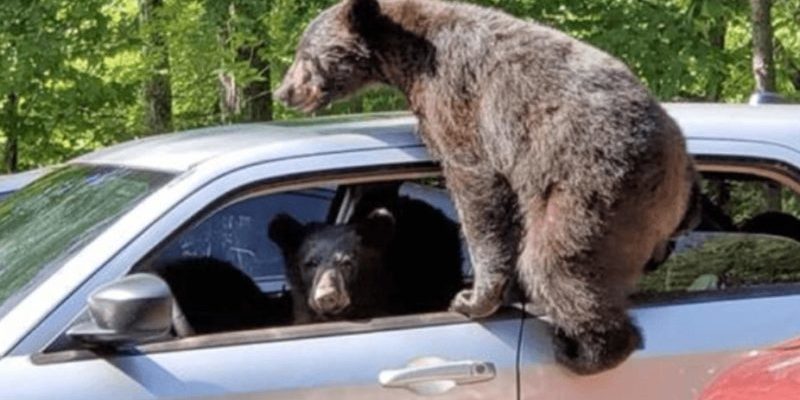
<point x="429" y="370"/>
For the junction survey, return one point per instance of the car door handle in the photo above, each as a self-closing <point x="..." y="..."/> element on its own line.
<point x="431" y="369"/>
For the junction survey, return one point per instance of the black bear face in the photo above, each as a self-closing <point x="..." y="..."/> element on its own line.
<point x="333" y="59"/>
<point x="333" y="267"/>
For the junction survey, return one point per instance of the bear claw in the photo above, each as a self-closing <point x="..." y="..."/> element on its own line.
<point x="468" y="304"/>
<point x="592" y="352"/>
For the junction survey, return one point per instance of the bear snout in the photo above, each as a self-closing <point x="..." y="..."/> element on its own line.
<point x="285" y="94"/>
<point x="329" y="295"/>
<point x="306" y="98"/>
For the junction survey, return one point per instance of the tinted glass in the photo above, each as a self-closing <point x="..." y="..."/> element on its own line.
<point x="48" y="221"/>
<point x="238" y="233"/>
<point x="720" y="261"/>
<point x="749" y="236"/>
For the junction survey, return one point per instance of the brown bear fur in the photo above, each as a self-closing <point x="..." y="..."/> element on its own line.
<point x="566" y="172"/>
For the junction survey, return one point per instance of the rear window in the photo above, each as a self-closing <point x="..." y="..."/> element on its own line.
<point x="717" y="261"/>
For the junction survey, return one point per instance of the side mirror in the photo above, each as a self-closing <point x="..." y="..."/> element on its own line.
<point x="128" y="311"/>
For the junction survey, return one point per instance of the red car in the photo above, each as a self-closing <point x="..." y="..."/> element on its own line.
<point x="772" y="374"/>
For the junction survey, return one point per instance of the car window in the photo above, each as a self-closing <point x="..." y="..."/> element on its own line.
<point x="245" y="236"/>
<point x="749" y="237"/>
<point x="722" y="261"/>
<point x="237" y="233"/>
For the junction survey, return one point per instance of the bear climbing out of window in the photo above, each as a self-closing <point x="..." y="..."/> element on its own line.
<point x="215" y="296"/>
<point x="567" y="174"/>
<point x="400" y="259"/>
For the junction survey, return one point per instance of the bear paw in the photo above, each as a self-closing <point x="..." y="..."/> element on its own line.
<point x="473" y="306"/>
<point x="594" y="351"/>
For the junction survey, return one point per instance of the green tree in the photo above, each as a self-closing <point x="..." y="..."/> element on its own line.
<point x="245" y="75"/>
<point x="54" y="92"/>
<point x="157" y="90"/>
<point x="76" y="71"/>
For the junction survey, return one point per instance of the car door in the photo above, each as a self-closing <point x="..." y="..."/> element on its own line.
<point x="723" y="308"/>
<point x="436" y="354"/>
<point x="687" y="346"/>
<point x="441" y="356"/>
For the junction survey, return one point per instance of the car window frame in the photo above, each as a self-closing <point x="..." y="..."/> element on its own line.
<point x="339" y="177"/>
<point x="247" y="337"/>
<point x="778" y="171"/>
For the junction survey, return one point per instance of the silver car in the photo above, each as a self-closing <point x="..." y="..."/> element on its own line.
<point x="77" y="320"/>
<point x="10" y="183"/>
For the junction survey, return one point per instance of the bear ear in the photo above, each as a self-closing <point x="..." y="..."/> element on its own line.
<point x="361" y="15"/>
<point x="377" y="229"/>
<point x="286" y="232"/>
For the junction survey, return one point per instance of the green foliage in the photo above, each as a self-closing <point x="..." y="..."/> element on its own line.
<point x="54" y="55"/>
<point x="730" y="261"/>
<point x="77" y="68"/>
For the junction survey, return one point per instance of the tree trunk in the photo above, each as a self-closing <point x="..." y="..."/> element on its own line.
<point x="230" y="96"/>
<point x="796" y="79"/>
<point x="11" y="127"/>
<point x="764" y="72"/>
<point x="763" y="62"/>
<point x="795" y="68"/>
<point x="772" y="197"/>
<point x="716" y="38"/>
<point x="157" y="87"/>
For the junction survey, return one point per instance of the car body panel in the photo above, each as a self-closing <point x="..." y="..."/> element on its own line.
<point x="686" y="346"/>
<point x="237" y="144"/>
<point x="343" y="366"/>
<point x="10" y="183"/>
<point x="752" y="150"/>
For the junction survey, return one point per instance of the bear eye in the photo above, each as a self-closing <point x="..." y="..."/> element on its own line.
<point x="346" y="264"/>
<point x="308" y="264"/>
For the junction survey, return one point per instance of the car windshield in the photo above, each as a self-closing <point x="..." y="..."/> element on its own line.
<point x="48" y="221"/>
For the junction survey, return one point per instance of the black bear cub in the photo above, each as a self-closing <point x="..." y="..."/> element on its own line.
<point x="404" y="257"/>
<point x="215" y="296"/>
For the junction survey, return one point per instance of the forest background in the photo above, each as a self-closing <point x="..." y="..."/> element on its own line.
<point x="79" y="75"/>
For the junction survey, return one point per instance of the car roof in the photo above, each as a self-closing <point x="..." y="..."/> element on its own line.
<point x="182" y="151"/>
<point x="178" y="152"/>
<point x="13" y="182"/>
<point x="774" y="123"/>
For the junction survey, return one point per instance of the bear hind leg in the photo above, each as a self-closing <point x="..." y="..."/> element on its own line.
<point x="592" y="331"/>
<point x="570" y="283"/>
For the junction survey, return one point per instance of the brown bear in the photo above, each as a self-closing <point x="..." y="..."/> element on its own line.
<point x="567" y="174"/>
<point x="399" y="259"/>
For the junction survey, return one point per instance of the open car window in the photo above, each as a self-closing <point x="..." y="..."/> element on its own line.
<point x="240" y="235"/>
<point x="237" y="233"/>
<point x="718" y="261"/>
<point x="747" y="243"/>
